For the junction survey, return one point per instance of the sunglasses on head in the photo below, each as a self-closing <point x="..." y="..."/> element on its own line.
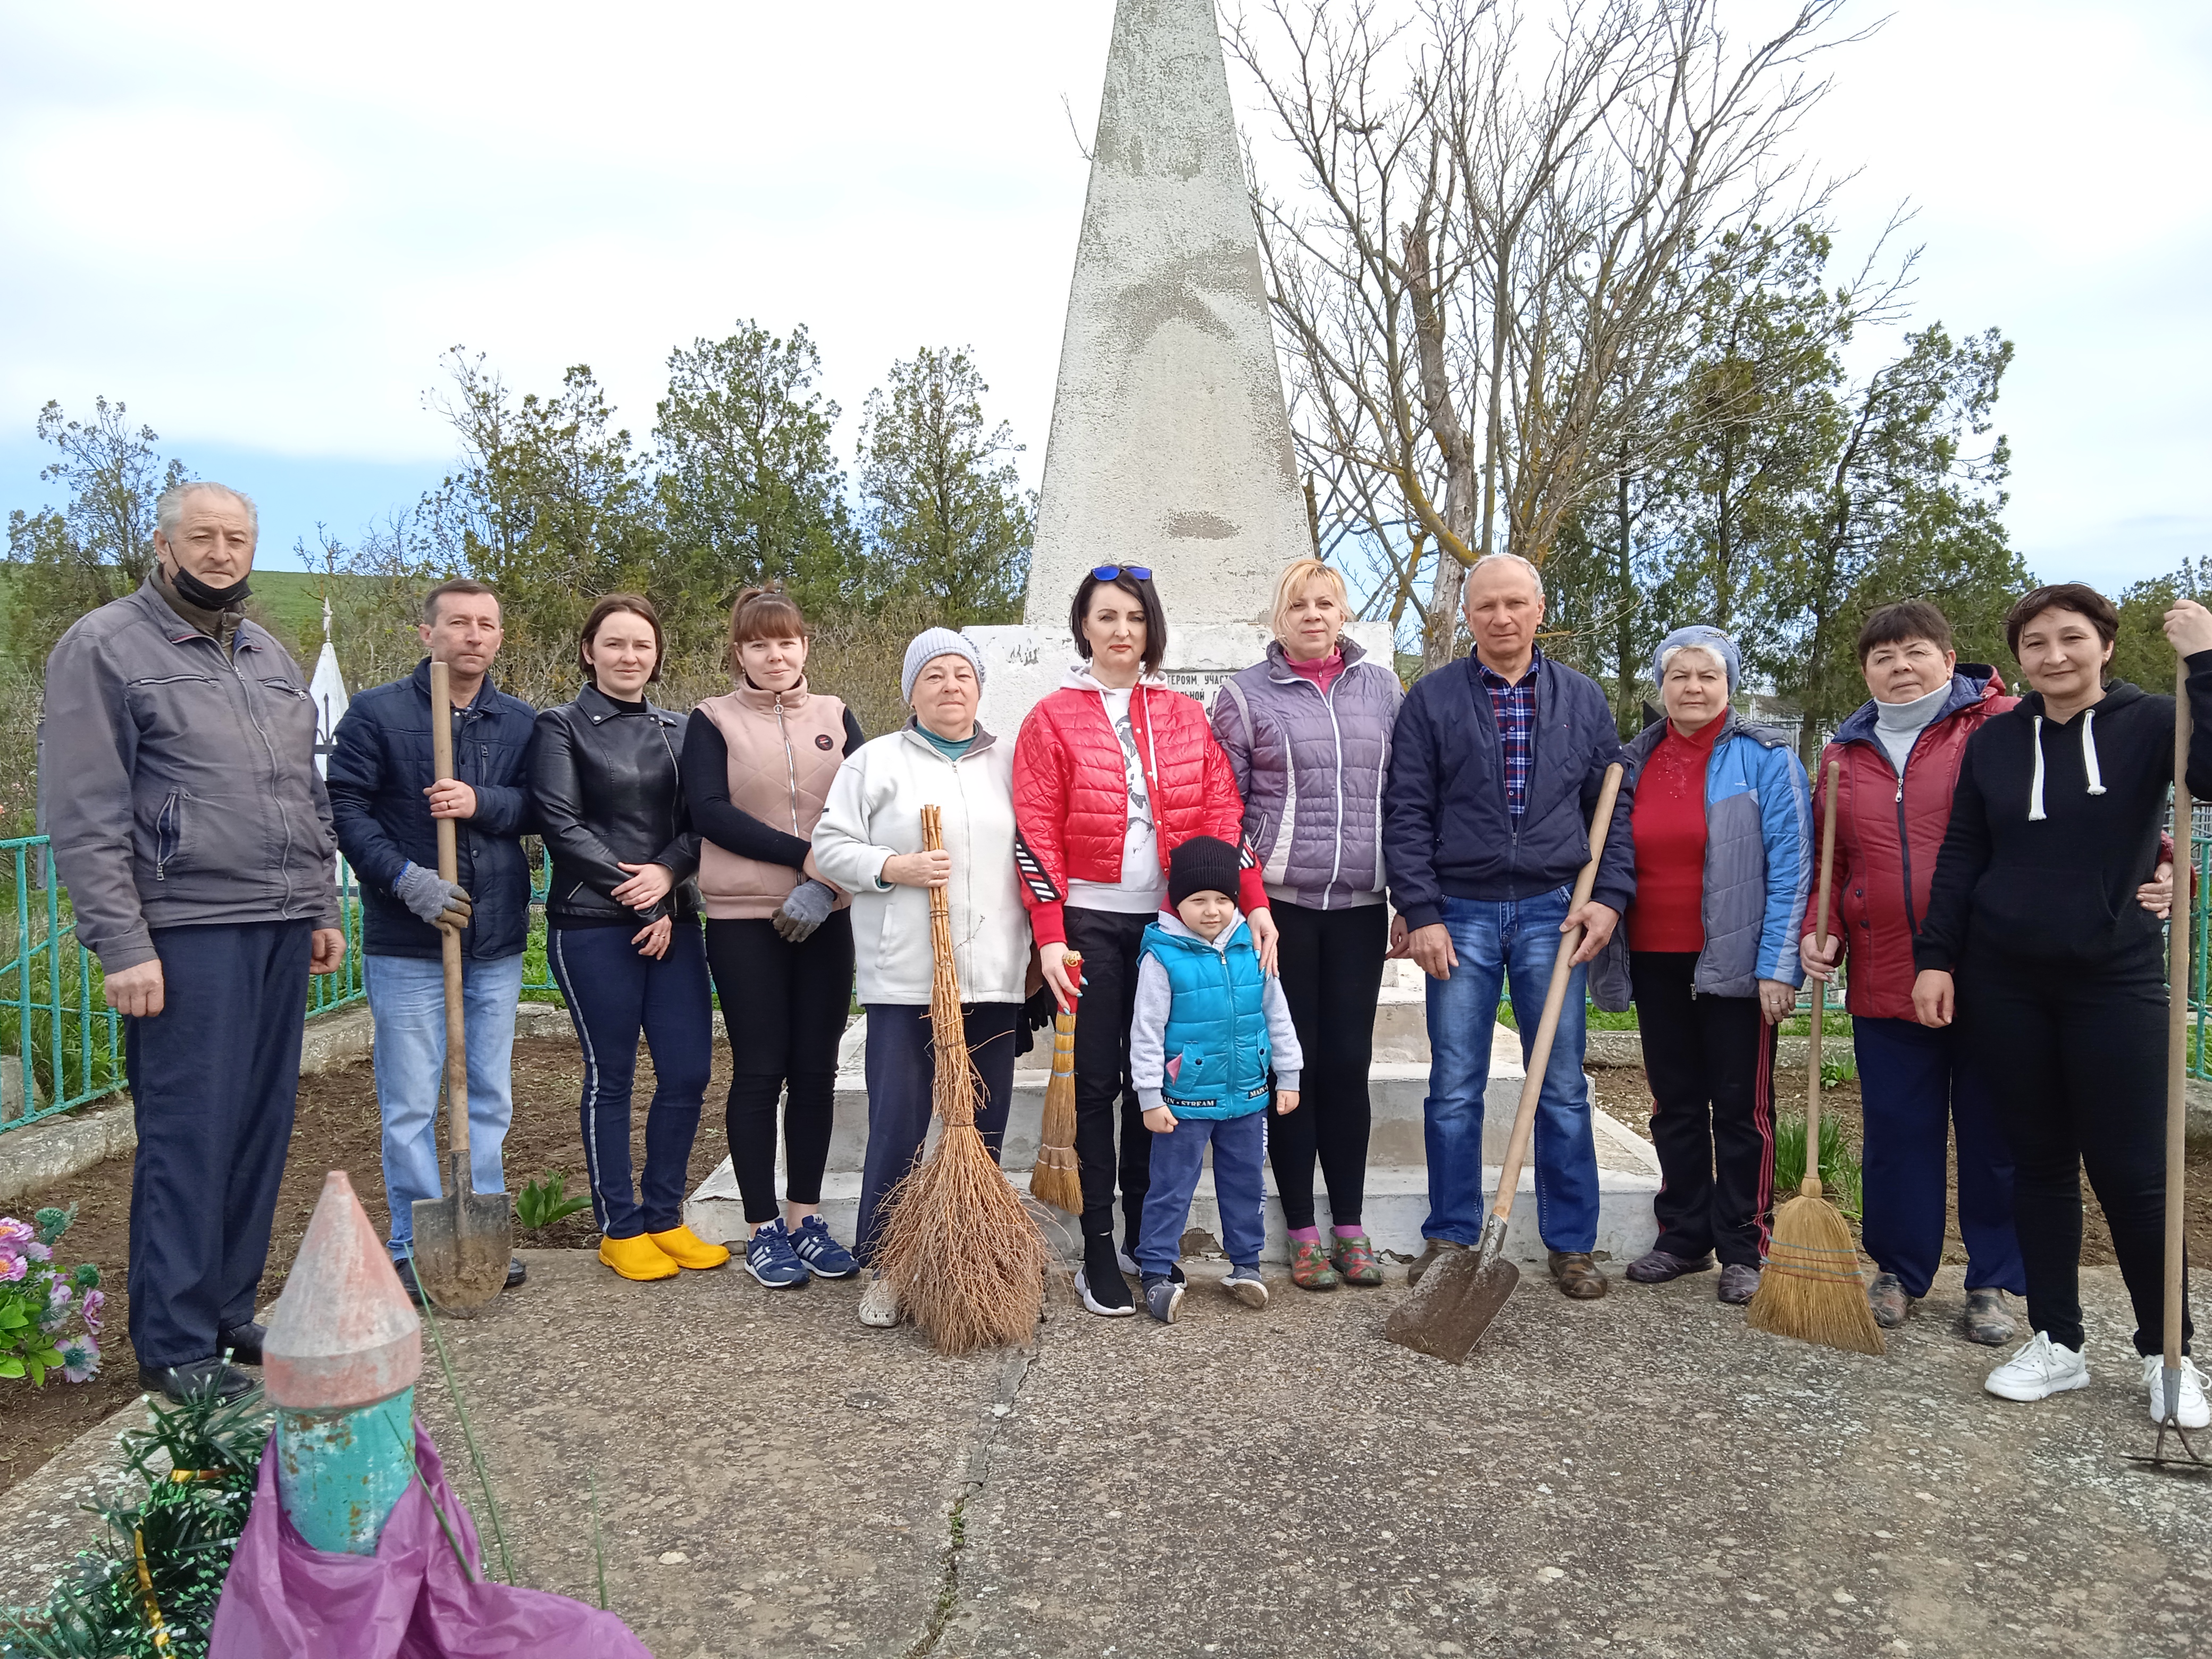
<point x="1106" y="573"/>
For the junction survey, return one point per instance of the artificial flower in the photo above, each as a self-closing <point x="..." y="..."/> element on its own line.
<point x="80" y="1360"/>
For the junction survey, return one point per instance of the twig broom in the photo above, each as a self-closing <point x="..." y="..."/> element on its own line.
<point x="1056" y="1180"/>
<point x="968" y="1259"/>
<point x="1811" y="1289"/>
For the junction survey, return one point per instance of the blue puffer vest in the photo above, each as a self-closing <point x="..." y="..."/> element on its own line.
<point x="1217" y="1033"/>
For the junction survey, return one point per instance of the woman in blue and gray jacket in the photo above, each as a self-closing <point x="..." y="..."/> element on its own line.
<point x="1308" y="732"/>
<point x="1722" y="831"/>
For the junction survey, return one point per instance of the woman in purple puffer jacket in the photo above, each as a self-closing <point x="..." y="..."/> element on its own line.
<point x="1308" y="732"/>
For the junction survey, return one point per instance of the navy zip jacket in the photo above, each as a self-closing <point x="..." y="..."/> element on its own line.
<point x="380" y="764"/>
<point x="1446" y="832"/>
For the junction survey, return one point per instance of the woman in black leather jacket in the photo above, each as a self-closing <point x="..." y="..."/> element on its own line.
<point x="604" y="772"/>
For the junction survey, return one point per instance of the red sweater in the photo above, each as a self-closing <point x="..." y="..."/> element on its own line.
<point x="1670" y="824"/>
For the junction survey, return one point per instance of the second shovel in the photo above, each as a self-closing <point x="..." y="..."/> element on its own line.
<point x="1460" y="1295"/>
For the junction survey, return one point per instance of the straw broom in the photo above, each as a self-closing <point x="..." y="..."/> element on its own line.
<point x="1054" y="1180"/>
<point x="968" y="1259"/>
<point x="1811" y="1289"/>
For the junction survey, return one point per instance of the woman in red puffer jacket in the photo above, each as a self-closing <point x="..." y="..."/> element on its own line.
<point x="1112" y="773"/>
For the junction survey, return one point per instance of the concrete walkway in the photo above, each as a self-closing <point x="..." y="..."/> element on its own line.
<point x="1642" y="1475"/>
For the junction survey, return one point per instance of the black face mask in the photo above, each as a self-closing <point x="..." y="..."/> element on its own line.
<point x="210" y="598"/>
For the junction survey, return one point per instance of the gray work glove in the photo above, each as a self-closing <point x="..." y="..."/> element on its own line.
<point x="440" y="903"/>
<point x="806" y="909"/>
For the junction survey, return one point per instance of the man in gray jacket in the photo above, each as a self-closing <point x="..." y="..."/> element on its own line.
<point x="190" y="826"/>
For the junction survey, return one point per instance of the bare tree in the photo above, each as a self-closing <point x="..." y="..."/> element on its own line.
<point x="1484" y="271"/>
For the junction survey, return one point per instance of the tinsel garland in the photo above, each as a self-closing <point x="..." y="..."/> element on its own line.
<point x="148" y="1590"/>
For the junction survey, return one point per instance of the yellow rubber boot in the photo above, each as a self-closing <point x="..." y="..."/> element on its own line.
<point x="636" y="1257"/>
<point x="687" y="1249"/>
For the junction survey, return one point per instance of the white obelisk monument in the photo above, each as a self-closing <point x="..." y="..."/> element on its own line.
<point x="1170" y="443"/>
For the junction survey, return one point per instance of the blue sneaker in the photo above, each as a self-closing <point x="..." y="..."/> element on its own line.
<point x="825" y="1258"/>
<point x="770" y="1259"/>
<point x="1162" y="1296"/>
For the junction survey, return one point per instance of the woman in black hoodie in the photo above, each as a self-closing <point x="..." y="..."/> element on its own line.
<point x="2060" y="985"/>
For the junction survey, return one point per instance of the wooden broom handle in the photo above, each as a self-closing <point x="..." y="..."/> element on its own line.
<point x="933" y="840"/>
<point x="1809" y="1185"/>
<point x="449" y="866"/>
<point x="1555" y="997"/>
<point x="2177" y="1035"/>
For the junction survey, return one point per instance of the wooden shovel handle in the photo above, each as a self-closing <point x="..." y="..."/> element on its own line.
<point x="1809" y="1186"/>
<point x="449" y="864"/>
<point x="1555" y="998"/>
<point x="2177" y="924"/>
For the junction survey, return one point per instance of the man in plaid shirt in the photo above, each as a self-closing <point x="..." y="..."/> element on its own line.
<point x="1495" y="766"/>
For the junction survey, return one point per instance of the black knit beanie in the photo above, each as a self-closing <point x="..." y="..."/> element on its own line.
<point x="1203" y="863"/>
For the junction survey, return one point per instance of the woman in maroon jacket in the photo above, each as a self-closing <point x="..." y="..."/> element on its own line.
<point x="1899" y="758"/>
<point x="1112" y="773"/>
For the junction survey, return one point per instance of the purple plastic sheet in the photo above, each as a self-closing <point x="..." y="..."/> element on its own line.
<point x="409" y="1601"/>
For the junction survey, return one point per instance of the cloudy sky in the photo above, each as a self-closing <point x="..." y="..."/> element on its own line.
<point x="260" y="225"/>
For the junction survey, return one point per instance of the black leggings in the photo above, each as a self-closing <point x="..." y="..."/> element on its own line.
<point x="1108" y="942"/>
<point x="1332" y="969"/>
<point x="2077" y="1063"/>
<point x="784" y="1006"/>
<point x="1710" y="1064"/>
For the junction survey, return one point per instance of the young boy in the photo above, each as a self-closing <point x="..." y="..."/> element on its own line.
<point x="1208" y="1028"/>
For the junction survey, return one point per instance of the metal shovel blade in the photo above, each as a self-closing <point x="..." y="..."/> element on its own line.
<point x="1454" y="1302"/>
<point x="462" y="1242"/>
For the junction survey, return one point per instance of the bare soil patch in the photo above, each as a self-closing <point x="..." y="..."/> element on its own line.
<point x="336" y="1128"/>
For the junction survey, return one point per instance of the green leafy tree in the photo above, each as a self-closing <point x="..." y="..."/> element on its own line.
<point x="1906" y="509"/>
<point x="2141" y="655"/>
<point x="1755" y="413"/>
<point x="549" y="503"/>
<point x="68" y="560"/>
<point x="748" y="486"/>
<point x="950" y="525"/>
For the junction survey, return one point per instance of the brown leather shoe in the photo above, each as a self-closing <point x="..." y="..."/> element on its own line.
<point x="1579" y="1278"/>
<point x="1437" y="1250"/>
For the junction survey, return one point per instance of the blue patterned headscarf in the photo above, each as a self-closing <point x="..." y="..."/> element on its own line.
<point x="1710" y="638"/>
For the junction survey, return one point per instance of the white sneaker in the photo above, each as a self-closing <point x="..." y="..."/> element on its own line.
<point x="2041" y="1368"/>
<point x="2192" y="1413"/>
<point x="879" y="1306"/>
<point x="1246" y="1286"/>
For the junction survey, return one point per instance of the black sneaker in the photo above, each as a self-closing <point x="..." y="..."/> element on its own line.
<point x="516" y="1272"/>
<point x="243" y="1342"/>
<point x="1099" y="1280"/>
<point x="406" y="1269"/>
<point x="179" y="1383"/>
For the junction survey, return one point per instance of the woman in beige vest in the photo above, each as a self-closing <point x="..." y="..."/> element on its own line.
<point x="757" y="763"/>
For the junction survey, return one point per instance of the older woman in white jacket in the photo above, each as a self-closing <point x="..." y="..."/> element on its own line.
<point x="868" y="841"/>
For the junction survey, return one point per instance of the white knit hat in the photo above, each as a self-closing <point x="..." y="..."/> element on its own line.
<point x="932" y="644"/>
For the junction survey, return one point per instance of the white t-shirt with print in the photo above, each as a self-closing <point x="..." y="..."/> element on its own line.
<point x="1143" y="886"/>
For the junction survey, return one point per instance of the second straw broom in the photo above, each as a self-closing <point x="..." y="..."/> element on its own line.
<point x="1811" y="1289"/>
<point x="1055" y="1179"/>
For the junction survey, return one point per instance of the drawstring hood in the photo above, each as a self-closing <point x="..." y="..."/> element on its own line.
<point x="2035" y="813"/>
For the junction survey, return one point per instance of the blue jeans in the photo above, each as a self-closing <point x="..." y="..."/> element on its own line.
<point x="407" y="1000"/>
<point x="1497" y="943"/>
<point x="1240" y="1153"/>
<point x="613" y="994"/>
<point x="1916" y="1087"/>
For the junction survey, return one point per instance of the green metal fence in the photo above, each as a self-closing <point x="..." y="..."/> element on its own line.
<point x="61" y="1045"/>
